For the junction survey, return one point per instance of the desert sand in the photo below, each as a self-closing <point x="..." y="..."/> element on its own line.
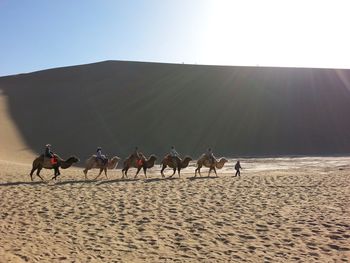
<point x="279" y="210"/>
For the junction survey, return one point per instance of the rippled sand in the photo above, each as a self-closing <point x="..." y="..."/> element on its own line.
<point x="279" y="210"/>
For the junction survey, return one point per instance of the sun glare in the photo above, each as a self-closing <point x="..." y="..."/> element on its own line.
<point x="276" y="33"/>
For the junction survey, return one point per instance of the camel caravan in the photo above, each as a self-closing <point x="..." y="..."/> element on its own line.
<point x="137" y="160"/>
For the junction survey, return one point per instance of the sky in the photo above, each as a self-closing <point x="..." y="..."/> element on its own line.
<point x="41" y="34"/>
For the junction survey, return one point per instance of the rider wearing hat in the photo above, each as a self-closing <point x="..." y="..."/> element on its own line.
<point x="48" y="152"/>
<point x="174" y="155"/>
<point x="53" y="159"/>
<point x="101" y="156"/>
<point x="210" y="155"/>
<point x="138" y="156"/>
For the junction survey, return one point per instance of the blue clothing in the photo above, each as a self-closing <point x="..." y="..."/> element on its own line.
<point x="48" y="153"/>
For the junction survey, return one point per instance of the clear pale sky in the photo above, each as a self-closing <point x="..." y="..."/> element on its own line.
<point x="41" y="34"/>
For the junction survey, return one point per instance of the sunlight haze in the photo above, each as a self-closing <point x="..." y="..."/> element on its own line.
<point x="46" y="34"/>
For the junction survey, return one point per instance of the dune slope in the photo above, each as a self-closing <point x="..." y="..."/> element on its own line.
<point x="118" y="105"/>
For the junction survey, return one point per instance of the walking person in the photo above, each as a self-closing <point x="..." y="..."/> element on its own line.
<point x="237" y="167"/>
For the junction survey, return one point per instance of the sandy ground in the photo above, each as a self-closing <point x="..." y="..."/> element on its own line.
<point x="279" y="210"/>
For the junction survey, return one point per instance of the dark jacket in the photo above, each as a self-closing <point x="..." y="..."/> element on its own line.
<point x="48" y="153"/>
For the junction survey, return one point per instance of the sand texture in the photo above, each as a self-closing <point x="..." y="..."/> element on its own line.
<point x="279" y="210"/>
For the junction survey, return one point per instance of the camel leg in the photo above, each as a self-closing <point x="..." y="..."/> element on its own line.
<point x="101" y="170"/>
<point x="31" y="173"/>
<point x="85" y="173"/>
<point x="209" y="171"/>
<point x="57" y="172"/>
<point x="215" y="172"/>
<point x="54" y="175"/>
<point x="161" y="171"/>
<point x="144" y="171"/>
<point x="125" y="172"/>
<point x="199" y="171"/>
<point x="105" y="172"/>
<point x="138" y="170"/>
<point x="174" y="170"/>
<point x="178" y="171"/>
<point x="38" y="172"/>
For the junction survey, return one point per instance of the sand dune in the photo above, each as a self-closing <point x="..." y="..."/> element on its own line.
<point x="12" y="145"/>
<point x="300" y="214"/>
<point x="280" y="210"/>
<point x="235" y="110"/>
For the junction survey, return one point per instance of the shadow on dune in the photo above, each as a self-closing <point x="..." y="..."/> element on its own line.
<point x="235" y="110"/>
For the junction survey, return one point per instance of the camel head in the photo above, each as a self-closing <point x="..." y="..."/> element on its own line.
<point x="223" y="160"/>
<point x="152" y="157"/>
<point x="113" y="162"/>
<point x="73" y="159"/>
<point x="186" y="161"/>
<point x="115" y="159"/>
<point x="221" y="163"/>
<point x="188" y="158"/>
<point x="67" y="163"/>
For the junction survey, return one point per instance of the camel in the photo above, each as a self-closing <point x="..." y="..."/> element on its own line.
<point x="43" y="162"/>
<point x="93" y="162"/>
<point x="180" y="164"/>
<point x="132" y="162"/>
<point x="203" y="161"/>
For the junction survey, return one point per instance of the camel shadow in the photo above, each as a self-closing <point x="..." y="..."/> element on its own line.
<point x="73" y="182"/>
<point x="121" y="180"/>
<point x="202" y="177"/>
<point x="157" y="179"/>
<point x="22" y="183"/>
<point x="67" y="182"/>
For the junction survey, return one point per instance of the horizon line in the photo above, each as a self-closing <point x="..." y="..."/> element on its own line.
<point x="174" y="63"/>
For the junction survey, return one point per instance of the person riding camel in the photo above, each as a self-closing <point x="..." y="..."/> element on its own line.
<point x="100" y="156"/>
<point x="174" y="155"/>
<point x="209" y="154"/>
<point x="48" y="152"/>
<point x="53" y="158"/>
<point x="138" y="156"/>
